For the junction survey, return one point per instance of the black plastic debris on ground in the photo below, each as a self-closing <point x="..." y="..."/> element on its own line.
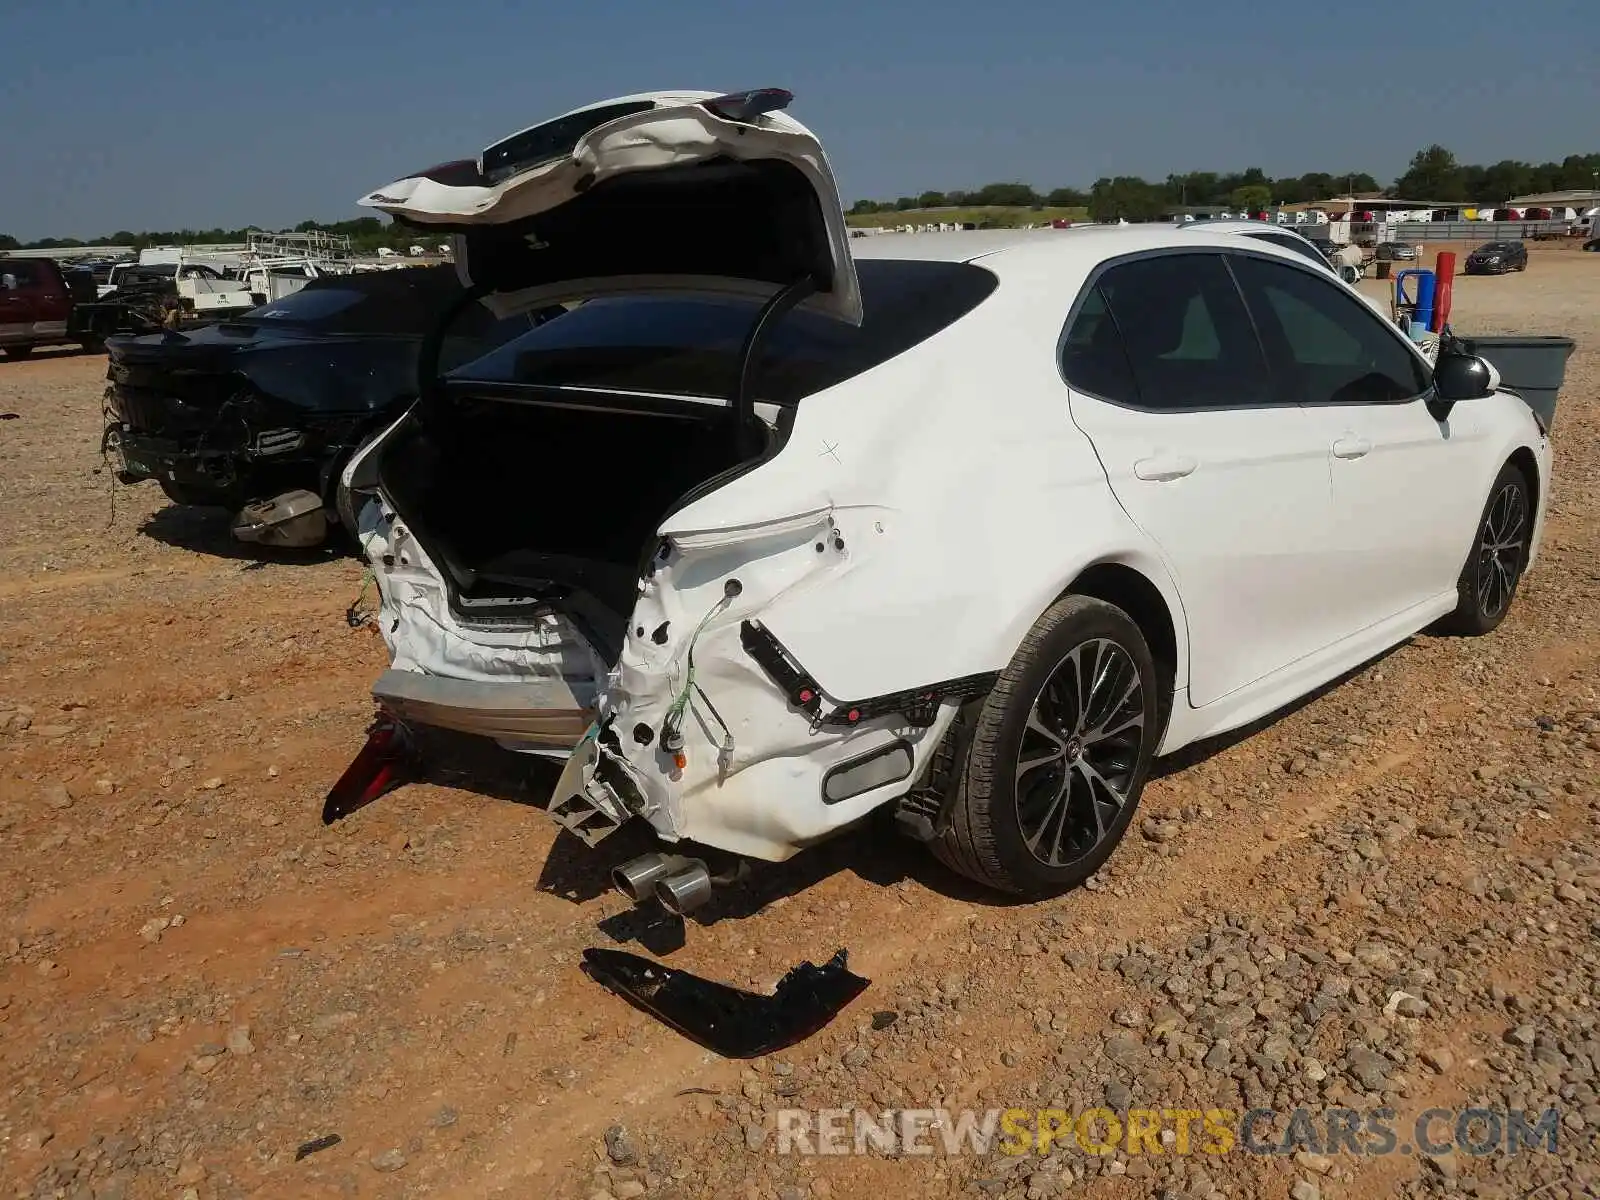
<point x="326" y="1141"/>
<point x="731" y="1022"/>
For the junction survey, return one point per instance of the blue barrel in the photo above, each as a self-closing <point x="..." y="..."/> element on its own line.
<point x="1422" y="305"/>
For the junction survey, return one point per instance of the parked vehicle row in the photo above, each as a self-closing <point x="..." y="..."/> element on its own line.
<point x="36" y="306"/>
<point x="259" y="413"/>
<point x="43" y="303"/>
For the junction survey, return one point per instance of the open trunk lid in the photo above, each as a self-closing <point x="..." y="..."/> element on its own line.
<point x="665" y="191"/>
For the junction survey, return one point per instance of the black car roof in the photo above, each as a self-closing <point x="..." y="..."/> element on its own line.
<point x="408" y="300"/>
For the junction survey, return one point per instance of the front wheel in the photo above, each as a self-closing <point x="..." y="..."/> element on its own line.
<point x="1059" y="754"/>
<point x="1499" y="554"/>
<point x="198" y="495"/>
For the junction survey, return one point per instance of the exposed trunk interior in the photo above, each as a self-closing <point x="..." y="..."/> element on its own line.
<point x="524" y="504"/>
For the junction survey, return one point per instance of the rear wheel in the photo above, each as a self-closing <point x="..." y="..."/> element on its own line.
<point x="1059" y="754"/>
<point x="18" y="351"/>
<point x="1499" y="553"/>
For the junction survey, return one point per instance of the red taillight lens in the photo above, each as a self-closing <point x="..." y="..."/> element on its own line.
<point x="381" y="765"/>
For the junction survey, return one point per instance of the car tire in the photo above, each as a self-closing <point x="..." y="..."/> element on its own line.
<point x="200" y="496"/>
<point x="1488" y="581"/>
<point x="18" y="352"/>
<point x="1081" y="766"/>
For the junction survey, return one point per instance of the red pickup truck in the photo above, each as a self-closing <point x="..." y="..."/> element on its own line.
<point x="35" y="306"/>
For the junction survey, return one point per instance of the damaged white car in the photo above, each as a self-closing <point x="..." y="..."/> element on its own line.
<point x="777" y="528"/>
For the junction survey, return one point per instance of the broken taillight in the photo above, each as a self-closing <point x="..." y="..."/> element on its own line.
<point x="381" y="765"/>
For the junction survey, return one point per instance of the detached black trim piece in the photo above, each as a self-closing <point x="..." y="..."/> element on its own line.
<point x="772" y="658"/>
<point x="919" y="705"/>
<point x="731" y="1022"/>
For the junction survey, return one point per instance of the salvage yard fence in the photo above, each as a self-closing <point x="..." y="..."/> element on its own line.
<point x="1475" y="231"/>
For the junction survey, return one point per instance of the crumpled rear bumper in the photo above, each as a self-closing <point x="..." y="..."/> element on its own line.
<point x="548" y="717"/>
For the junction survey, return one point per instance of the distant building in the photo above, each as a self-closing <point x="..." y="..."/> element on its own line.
<point x="1578" y="198"/>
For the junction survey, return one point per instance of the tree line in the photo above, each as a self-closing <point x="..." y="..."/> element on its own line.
<point x="1433" y="174"/>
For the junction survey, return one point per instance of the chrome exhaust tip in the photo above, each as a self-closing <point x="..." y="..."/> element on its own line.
<point x="686" y="890"/>
<point x="637" y="878"/>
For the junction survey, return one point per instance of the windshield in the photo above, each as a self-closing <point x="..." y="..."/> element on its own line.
<point x="688" y="345"/>
<point x="1493" y="248"/>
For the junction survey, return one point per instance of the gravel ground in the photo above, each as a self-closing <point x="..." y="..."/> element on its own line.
<point x="1388" y="897"/>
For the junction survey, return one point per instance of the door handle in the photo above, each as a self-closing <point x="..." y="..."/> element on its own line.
<point x="1351" y="446"/>
<point x="1162" y="468"/>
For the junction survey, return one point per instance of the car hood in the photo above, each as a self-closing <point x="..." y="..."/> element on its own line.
<point x="664" y="191"/>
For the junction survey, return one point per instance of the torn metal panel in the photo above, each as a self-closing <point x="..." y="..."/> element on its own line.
<point x="719" y="750"/>
<point x="550" y="672"/>
<point x="733" y="1023"/>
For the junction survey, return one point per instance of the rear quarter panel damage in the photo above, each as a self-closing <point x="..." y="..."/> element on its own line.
<point x="967" y="499"/>
<point x="953" y="508"/>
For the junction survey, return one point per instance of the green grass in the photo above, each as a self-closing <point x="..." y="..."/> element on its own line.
<point x="992" y="216"/>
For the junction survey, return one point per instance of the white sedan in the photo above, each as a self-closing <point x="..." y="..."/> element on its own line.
<point x="773" y="528"/>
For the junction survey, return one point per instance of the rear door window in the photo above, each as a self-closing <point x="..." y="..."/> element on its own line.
<point x="22" y="274"/>
<point x="1187" y="335"/>
<point x="1326" y="346"/>
<point x="1299" y="245"/>
<point x="1093" y="358"/>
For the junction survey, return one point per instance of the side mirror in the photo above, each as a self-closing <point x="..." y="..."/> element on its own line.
<point x="1464" y="377"/>
<point x="8" y="283"/>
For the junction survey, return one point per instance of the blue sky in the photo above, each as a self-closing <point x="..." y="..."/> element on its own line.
<point x="160" y="114"/>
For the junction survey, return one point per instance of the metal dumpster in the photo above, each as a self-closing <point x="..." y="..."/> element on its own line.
<point x="1532" y="366"/>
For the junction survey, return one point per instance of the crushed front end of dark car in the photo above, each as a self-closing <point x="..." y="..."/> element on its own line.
<point x="259" y="414"/>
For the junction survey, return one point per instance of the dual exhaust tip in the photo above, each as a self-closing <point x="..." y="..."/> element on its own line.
<point x="680" y="885"/>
